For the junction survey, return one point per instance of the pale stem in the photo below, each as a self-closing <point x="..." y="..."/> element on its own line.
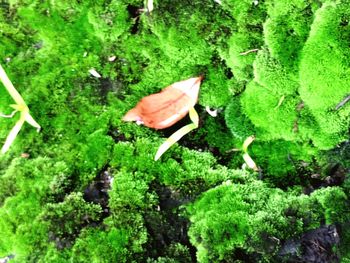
<point x="10" y="88"/>
<point x="20" y="106"/>
<point x="176" y="136"/>
<point x="249" y="51"/>
<point x="8" y="115"/>
<point x="12" y="135"/>
<point x="247" y="142"/>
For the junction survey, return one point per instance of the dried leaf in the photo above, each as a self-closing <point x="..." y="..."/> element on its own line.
<point x="163" y="109"/>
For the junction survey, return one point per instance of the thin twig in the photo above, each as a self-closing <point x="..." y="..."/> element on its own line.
<point x="249" y="51"/>
<point x="342" y="103"/>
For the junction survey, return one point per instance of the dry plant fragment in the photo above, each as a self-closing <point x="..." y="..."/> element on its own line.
<point x="163" y="109"/>
<point x="248" y="160"/>
<point x="342" y="103"/>
<point x="280" y="102"/>
<point x="149" y="5"/>
<point x="213" y="113"/>
<point x="20" y="106"/>
<point x="176" y="136"/>
<point x="94" y="73"/>
<point x="249" y="51"/>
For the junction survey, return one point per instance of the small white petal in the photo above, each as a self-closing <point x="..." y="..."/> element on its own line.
<point x="213" y="113"/>
<point x="94" y="73"/>
<point x="31" y="121"/>
<point x="112" y="58"/>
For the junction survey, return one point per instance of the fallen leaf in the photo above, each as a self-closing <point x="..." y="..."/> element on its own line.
<point x="163" y="109"/>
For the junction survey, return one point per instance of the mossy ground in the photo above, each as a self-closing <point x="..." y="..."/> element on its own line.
<point x="86" y="188"/>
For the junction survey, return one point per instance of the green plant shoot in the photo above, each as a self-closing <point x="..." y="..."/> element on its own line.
<point x="20" y="106"/>
<point x="179" y="134"/>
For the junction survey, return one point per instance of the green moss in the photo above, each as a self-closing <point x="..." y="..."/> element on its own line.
<point x="274" y="121"/>
<point x="284" y="158"/>
<point x="286" y="30"/>
<point x="183" y="168"/>
<point x="332" y="201"/>
<point x="285" y="94"/>
<point x="240" y="126"/>
<point x="130" y="191"/>
<point x="323" y="71"/>
<point x="24" y="235"/>
<point x="216" y="89"/>
<point x="102" y="246"/>
<point x="217" y="230"/>
<point x="216" y="134"/>
<point x="68" y="217"/>
<point x="96" y="142"/>
<point x="242" y="65"/>
<point x="273" y="76"/>
<point x="248" y="36"/>
<point x="234" y="217"/>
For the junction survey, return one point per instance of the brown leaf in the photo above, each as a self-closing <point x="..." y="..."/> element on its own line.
<point x="163" y="109"/>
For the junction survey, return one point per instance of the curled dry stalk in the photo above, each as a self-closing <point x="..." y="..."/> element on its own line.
<point x="248" y="160"/>
<point x="179" y="134"/>
<point x="20" y="107"/>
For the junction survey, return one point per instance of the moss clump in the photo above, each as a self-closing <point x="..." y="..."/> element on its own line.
<point x="287" y="96"/>
<point x="231" y="219"/>
<point x="247" y="35"/>
<point x="240" y="126"/>
<point x="23" y="234"/>
<point x="324" y="85"/>
<point x="86" y="189"/>
<point x="91" y="246"/>
<point x="287" y="72"/>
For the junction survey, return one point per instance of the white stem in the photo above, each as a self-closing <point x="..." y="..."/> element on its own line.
<point x="10" y="88"/>
<point x="8" y="115"/>
<point x="12" y="135"/>
<point x="179" y="134"/>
